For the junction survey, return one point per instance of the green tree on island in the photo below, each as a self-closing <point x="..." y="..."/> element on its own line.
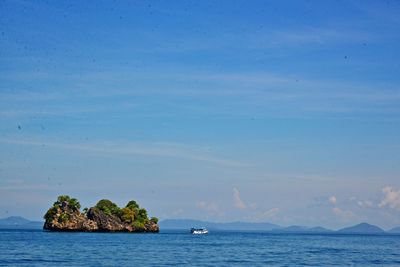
<point x="71" y="202"/>
<point x="128" y="215"/>
<point x="108" y="207"/>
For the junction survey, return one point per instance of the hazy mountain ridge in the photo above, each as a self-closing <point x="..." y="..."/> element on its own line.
<point x="395" y="230"/>
<point x="18" y="222"/>
<point x="303" y="229"/>
<point x="188" y="223"/>
<point x="180" y="224"/>
<point x="362" y="228"/>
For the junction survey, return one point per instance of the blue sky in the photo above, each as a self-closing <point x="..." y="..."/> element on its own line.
<point x="284" y="111"/>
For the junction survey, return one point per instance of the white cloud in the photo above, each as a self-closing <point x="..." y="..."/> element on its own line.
<point x="237" y="201"/>
<point x="391" y="198"/>
<point x="332" y="200"/>
<point x="345" y="215"/>
<point x="207" y="206"/>
<point x="365" y="203"/>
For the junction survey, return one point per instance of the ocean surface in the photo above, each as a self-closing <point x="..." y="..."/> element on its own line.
<point x="173" y="248"/>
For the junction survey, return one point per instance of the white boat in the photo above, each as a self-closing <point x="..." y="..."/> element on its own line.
<point x="199" y="231"/>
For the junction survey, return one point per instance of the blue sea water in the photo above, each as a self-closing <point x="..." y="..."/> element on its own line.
<point x="171" y="248"/>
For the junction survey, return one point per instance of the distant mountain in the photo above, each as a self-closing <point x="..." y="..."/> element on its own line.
<point x="395" y="230"/>
<point x="293" y="228"/>
<point x="240" y="226"/>
<point x="363" y="228"/>
<point x="19" y="222"/>
<point x="303" y="229"/>
<point x="14" y="220"/>
<point x="184" y="224"/>
<point x="248" y="226"/>
<point x="319" y="229"/>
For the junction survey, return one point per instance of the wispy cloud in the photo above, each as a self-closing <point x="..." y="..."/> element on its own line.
<point x="208" y="206"/>
<point x="260" y="215"/>
<point x="344" y="215"/>
<point x="271" y="213"/>
<point x="125" y="148"/>
<point x="263" y="38"/>
<point x="260" y="92"/>
<point x="306" y="36"/>
<point x="237" y="201"/>
<point x="365" y="203"/>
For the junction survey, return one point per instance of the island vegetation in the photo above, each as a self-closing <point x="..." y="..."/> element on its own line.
<point x="105" y="216"/>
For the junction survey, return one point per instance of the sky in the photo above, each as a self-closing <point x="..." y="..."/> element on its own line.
<point x="263" y="111"/>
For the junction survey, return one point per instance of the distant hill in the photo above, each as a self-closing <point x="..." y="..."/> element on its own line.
<point x="17" y="222"/>
<point x="319" y="229"/>
<point x="303" y="229"/>
<point x="185" y="224"/>
<point x="363" y="228"/>
<point x="248" y="226"/>
<point x="395" y="230"/>
<point x="179" y="224"/>
<point x="293" y="228"/>
<point x="14" y="220"/>
<point x="240" y="226"/>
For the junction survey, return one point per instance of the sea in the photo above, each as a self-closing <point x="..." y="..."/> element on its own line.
<point x="180" y="248"/>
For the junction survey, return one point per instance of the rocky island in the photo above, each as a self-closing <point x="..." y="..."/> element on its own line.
<point x="106" y="216"/>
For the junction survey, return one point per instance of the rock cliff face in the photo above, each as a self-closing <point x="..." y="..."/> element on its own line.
<point x="106" y="222"/>
<point x="65" y="216"/>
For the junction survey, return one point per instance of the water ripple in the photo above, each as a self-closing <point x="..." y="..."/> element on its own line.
<point x="38" y="248"/>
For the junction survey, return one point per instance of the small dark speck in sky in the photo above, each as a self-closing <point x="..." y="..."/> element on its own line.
<point x="345" y="57"/>
<point x="19" y="127"/>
